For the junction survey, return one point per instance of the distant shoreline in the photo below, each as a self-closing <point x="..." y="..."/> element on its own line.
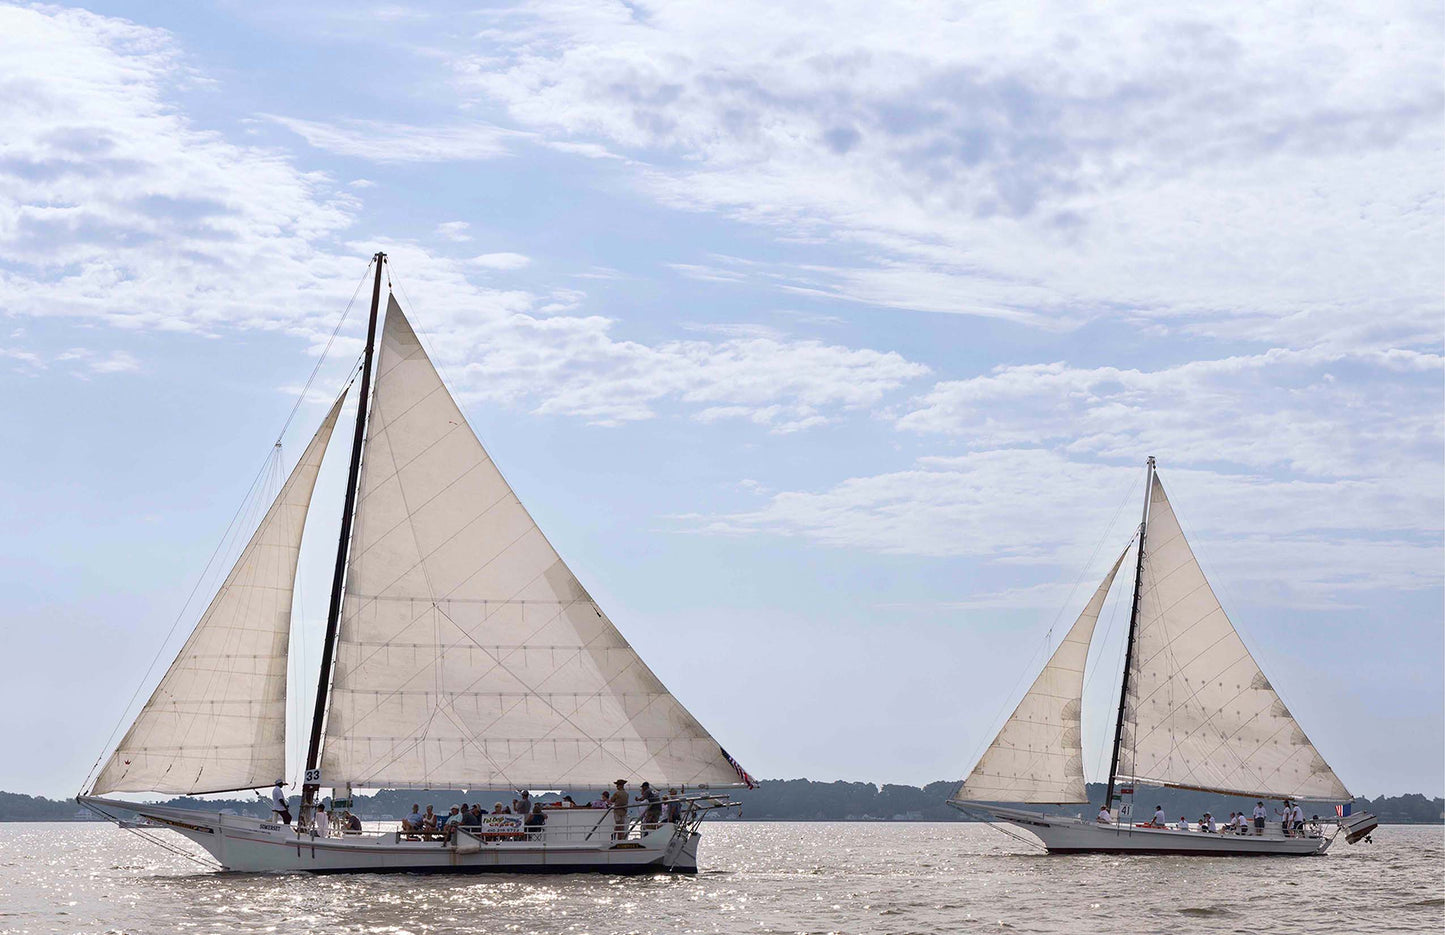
<point x="790" y="800"/>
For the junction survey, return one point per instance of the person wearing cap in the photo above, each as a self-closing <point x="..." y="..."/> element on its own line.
<point x="1259" y="816"/>
<point x="1160" y="819"/>
<point x="619" y="808"/>
<point x="1183" y="823"/>
<point x="278" y="803"/>
<point x="453" y="822"/>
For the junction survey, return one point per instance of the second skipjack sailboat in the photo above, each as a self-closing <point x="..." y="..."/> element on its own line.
<point x="460" y="653"/>
<point x="1195" y="712"/>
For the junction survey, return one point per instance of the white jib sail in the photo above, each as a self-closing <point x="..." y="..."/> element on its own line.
<point x="1038" y="754"/>
<point x="217" y="720"/>
<point x="1200" y="713"/>
<point x="468" y="655"/>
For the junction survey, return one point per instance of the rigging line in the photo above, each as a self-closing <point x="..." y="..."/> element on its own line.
<point x="209" y="865"/>
<point x="996" y="723"/>
<point x="301" y="397"/>
<point x="246" y="501"/>
<point x="247" y="504"/>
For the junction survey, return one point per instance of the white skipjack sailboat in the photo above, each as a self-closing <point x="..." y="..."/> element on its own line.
<point x="1195" y="712"/>
<point x="460" y="653"/>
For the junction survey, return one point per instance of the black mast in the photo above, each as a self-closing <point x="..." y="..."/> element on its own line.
<point x="1129" y="644"/>
<point x="312" y="783"/>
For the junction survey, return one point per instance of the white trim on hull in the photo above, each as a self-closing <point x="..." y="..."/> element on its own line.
<point x="249" y="845"/>
<point x="1076" y="836"/>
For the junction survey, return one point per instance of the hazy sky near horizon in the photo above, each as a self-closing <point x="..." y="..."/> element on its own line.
<point x="826" y="345"/>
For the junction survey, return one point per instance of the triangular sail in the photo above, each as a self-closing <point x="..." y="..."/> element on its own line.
<point x="217" y="720"/>
<point x="1038" y="754"/>
<point x="1200" y="713"/>
<point x="468" y="655"/>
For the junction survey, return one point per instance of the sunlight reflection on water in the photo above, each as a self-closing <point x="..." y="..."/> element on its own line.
<point x="764" y="877"/>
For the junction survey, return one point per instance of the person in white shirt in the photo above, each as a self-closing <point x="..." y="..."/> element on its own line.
<point x="322" y="822"/>
<point x="1160" y="819"/>
<point x="1183" y="823"/>
<point x="1259" y="816"/>
<point x="1208" y="824"/>
<point x="1297" y="819"/>
<point x="278" y="804"/>
<point x="1284" y="818"/>
<point x="1104" y="817"/>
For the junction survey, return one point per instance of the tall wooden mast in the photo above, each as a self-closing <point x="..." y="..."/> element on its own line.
<point x="1129" y="642"/>
<point x="312" y="780"/>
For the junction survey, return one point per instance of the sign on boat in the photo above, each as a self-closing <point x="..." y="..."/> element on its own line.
<point x="1195" y="712"/>
<point x="460" y="653"/>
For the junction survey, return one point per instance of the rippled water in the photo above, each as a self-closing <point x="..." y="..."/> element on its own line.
<point x="758" y="877"/>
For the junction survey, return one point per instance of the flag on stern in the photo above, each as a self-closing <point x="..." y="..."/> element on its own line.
<point x="748" y="781"/>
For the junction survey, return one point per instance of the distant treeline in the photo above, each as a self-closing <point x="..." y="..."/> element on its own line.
<point x="783" y="800"/>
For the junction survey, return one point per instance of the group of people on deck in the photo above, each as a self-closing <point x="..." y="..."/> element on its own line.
<point x="1292" y="820"/>
<point x="654" y="809"/>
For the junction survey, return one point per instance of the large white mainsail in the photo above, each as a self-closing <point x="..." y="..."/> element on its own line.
<point x="1038" y="754"/>
<point x="468" y="655"/>
<point x="1200" y="714"/>
<point x="217" y="720"/>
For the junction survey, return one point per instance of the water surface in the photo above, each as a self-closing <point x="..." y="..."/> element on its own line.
<point x="758" y="877"/>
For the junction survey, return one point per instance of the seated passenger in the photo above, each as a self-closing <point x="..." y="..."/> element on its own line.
<point x="353" y="823"/>
<point x="1159" y="818"/>
<point x="1208" y="824"/>
<point x="429" y="820"/>
<point x="412" y="822"/>
<point x="605" y="801"/>
<point x="1183" y="823"/>
<point x="453" y="822"/>
<point x="1104" y="817"/>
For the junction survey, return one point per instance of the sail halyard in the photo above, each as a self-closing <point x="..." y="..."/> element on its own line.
<point x="1198" y="712"/>
<point x="216" y="722"/>
<point x="1037" y="756"/>
<point x="311" y="783"/>
<point x="467" y="653"/>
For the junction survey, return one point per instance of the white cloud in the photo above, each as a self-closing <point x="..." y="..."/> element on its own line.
<point x="500" y="261"/>
<point x="455" y="231"/>
<point x="113" y="206"/>
<point x="383" y="142"/>
<point x="1265" y="172"/>
<point x="1286" y="541"/>
<point x="1279" y="410"/>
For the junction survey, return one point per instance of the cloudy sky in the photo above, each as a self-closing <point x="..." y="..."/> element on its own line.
<point x="826" y="345"/>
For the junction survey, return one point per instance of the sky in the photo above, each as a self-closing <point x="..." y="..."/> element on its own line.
<point x="826" y="346"/>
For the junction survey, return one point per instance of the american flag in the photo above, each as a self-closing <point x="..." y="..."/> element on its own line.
<point x="1343" y="811"/>
<point x="748" y="781"/>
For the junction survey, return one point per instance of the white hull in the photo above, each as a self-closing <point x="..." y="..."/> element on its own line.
<point x="579" y="841"/>
<point x="1076" y="836"/>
